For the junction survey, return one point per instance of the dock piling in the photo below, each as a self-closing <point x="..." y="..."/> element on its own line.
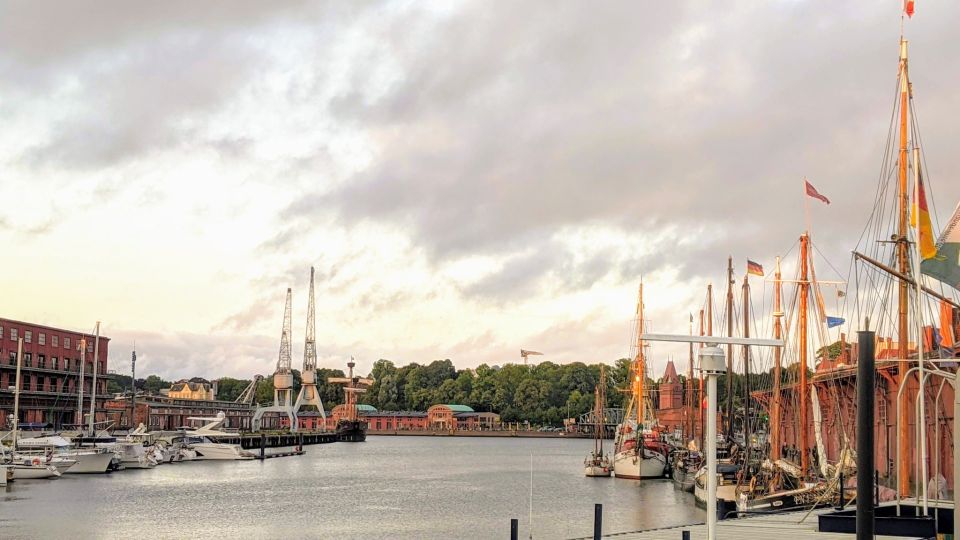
<point x="263" y="444"/>
<point x="514" y="529"/>
<point x="597" y="521"/>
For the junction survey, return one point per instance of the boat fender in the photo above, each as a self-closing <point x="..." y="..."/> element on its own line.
<point x="36" y="461"/>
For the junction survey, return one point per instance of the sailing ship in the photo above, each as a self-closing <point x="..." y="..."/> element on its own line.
<point x="638" y="452"/>
<point x="597" y="464"/>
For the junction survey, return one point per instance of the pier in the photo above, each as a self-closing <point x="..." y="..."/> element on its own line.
<point x="760" y="527"/>
<point x="252" y="441"/>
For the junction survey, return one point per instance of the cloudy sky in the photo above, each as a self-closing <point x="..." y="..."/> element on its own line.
<point x="468" y="178"/>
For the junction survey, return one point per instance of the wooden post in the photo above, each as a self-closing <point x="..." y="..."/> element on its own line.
<point x="865" y="464"/>
<point x="597" y="521"/>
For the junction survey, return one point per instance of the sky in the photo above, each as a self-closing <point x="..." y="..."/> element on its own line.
<point x="467" y="178"/>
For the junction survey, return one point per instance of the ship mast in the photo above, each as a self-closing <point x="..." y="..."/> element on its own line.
<point x="730" y="283"/>
<point x="777" y="334"/>
<point x="700" y="393"/>
<point x="903" y="266"/>
<point x="803" y="294"/>
<point x="600" y="400"/>
<point x="639" y="367"/>
<point x="691" y="430"/>
<point x="746" y="369"/>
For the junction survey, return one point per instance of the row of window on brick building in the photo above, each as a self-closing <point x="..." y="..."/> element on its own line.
<point x="40" y="383"/>
<point x="41" y="338"/>
<point x="62" y="364"/>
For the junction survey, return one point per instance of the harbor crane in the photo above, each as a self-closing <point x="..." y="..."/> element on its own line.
<point x="283" y="377"/>
<point x="309" y="396"/>
<point x="525" y="353"/>
<point x="246" y="397"/>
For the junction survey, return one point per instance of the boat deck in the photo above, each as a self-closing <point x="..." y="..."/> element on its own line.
<point x="760" y="527"/>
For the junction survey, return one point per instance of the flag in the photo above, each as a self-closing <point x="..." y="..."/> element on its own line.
<point x="908" y="8"/>
<point x="925" y="231"/>
<point x="945" y="266"/>
<point x="946" y="325"/>
<point x="812" y="191"/>
<point x="834" y="321"/>
<point x="754" y="268"/>
<point x="841" y="293"/>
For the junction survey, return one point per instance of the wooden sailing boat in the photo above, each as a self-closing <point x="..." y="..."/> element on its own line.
<point x="638" y="451"/>
<point x="597" y="463"/>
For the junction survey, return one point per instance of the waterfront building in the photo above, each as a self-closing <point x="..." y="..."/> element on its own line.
<point x="192" y="390"/>
<point x="671" y="412"/>
<point x="161" y="413"/>
<point x="441" y="417"/>
<point x="50" y="374"/>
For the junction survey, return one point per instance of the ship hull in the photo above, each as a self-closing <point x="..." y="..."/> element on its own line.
<point x="630" y="466"/>
<point x="351" y="431"/>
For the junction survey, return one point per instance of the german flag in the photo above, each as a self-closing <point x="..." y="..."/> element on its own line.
<point x="754" y="268"/>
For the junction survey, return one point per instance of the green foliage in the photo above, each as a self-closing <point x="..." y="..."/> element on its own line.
<point x="229" y="389"/>
<point x="152" y="384"/>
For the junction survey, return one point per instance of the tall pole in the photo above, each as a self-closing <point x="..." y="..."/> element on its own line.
<point x="641" y="368"/>
<point x="775" y="413"/>
<point x="804" y="293"/>
<point x="700" y="393"/>
<point x="133" y="384"/>
<point x="709" y="309"/>
<point x="903" y="329"/>
<point x="83" y="350"/>
<point x="16" y="394"/>
<point x="730" y="283"/>
<point x="922" y="398"/>
<point x="746" y="369"/>
<point x="865" y="425"/>
<point x="93" y="390"/>
<point x="691" y="430"/>
<point x="711" y="364"/>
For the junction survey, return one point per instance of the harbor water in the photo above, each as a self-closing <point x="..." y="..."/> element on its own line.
<point x="387" y="487"/>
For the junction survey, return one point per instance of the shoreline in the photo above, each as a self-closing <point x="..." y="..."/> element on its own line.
<point x="463" y="433"/>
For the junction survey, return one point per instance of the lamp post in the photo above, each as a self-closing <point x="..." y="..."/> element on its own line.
<point x="712" y="364"/>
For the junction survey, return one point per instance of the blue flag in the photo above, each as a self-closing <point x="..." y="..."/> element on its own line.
<point x="834" y="321"/>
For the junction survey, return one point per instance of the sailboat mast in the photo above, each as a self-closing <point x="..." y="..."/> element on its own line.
<point x="777" y="334"/>
<point x="804" y="293"/>
<point x="640" y="367"/>
<point x="691" y="430"/>
<point x="600" y="399"/>
<point x="903" y="265"/>
<point x="730" y="283"/>
<point x="746" y="367"/>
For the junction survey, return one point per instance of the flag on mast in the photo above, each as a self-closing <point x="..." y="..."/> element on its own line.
<point x="812" y="191"/>
<point x="754" y="268"/>
<point x="928" y="249"/>
<point x="945" y="265"/>
<point x="908" y="8"/>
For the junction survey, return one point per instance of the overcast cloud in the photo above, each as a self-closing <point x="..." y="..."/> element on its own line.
<point x="468" y="178"/>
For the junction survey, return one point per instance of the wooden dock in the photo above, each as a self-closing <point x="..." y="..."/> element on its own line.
<point x="760" y="527"/>
<point x="268" y="455"/>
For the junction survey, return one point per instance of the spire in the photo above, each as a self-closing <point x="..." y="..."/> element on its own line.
<point x="310" y="345"/>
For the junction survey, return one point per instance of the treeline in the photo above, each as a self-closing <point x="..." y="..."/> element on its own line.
<point x="542" y="394"/>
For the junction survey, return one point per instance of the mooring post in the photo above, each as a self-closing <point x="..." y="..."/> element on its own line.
<point x="514" y="529"/>
<point x="840" y="506"/>
<point x="597" y="521"/>
<point x="865" y="464"/>
<point x="263" y="444"/>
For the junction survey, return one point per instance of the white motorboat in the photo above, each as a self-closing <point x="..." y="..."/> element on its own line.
<point x="634" y="465"/>
<point x="6" y="474"/>
<point x="32" y="469"/>
<point x="133" y="455"/>
<point x="88" y="460"/>
<point x="198" y="440"/>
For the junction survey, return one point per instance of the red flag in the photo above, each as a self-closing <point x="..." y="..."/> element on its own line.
<point x="908" y="8"/>
<point x="812" y="191"/>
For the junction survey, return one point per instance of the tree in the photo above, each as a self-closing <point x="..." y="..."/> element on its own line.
<point x="153" y="384"/>
<point x="229" y="389"/>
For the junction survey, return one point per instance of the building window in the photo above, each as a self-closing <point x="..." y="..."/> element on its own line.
<point x="66" y="343"/>
<point x="53" y="362"/>
<point x="1" y="332"/>
<point x="42" y="338"/>
<point x="28" y="336"/>
<point x="13" y="358"/>
<point x="54" y="340"/>
<point x="89" y="347"/>
<point x="27" y="360"/>
<point x="13" y="334"/>
<point x="41" y="360"/>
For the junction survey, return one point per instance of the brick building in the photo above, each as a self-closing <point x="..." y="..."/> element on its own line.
<point x="162" y="413"/>
<point x="50" y="373"/>
<point x="442" y="417"/>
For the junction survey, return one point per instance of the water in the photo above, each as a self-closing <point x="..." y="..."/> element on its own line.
<point x="387" y="487"/>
